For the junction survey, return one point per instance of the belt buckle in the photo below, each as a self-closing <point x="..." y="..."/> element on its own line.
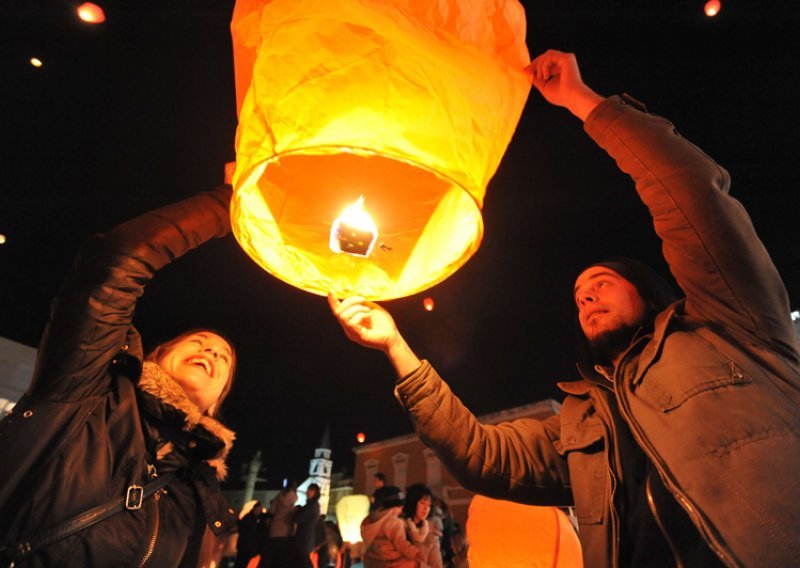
<point x="134" y="497"/>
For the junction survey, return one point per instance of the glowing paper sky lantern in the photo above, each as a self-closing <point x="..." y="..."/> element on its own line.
<point x="91" y="13"/>
<point x="528" y="536"/>
<point x="712" y="8"/>
<point x="350" y="511"/>
<point x="404" y="107"/>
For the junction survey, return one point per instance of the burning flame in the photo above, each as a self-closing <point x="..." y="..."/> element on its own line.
<point x="354" y="231"/>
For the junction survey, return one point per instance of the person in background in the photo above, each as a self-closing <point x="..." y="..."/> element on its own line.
<point x="331" y="552"/>
<point x="116" y="455"/>
<point x="441" y="509"/>
<point x="459" y="547"/>
<point x="278" y="549"/>
<point x="384" y="533"/>
<point x="251" y="535"/>
<point x="306" y="519"/>
<point x="423" y="530"/>
<point x="378" y="480"/>
<point x="680" y="442"/>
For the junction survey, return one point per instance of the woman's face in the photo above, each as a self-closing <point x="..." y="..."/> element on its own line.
<point x="423" y="508"/>
<point x="201" y="364"/>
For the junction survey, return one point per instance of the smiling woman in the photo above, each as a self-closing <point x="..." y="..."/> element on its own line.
<point x="117" y="457"/>
<point x="202" y="362"/>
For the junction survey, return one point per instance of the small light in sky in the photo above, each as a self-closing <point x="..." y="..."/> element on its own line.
<point x="428" y="304"/>
<point x="712" y="8"/>
<point x="36" y="62"/>
<point x="91" y="13"/>
<point x="361" y="437"/>
<point x="2" y="239"/>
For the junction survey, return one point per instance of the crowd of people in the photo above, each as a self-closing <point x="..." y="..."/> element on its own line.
<point x="403" y="529"/>
<point x="411" y="529"/>
<point x="287" y="535"/>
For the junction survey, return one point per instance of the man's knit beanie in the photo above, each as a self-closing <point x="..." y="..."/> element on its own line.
<point x="654" y="290"/>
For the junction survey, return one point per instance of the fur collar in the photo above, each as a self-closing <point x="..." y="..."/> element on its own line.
<point x="157" y="382"/>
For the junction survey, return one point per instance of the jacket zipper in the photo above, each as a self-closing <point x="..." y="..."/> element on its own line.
<point x="614" y="515"/>
<point x="650" y="453"/>
<point x="652" y="503"/>
<point x="154" y="537"/>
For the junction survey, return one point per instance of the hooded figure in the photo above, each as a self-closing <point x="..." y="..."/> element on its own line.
<point x="384" y="533"/>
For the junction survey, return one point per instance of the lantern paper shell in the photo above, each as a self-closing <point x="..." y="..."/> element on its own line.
<point x="502" y="533"/>
<point x="350" y="511"/>
<point x="408" y="104"/>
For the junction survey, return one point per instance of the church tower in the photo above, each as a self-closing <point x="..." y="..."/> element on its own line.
<point x="319" y="470"/>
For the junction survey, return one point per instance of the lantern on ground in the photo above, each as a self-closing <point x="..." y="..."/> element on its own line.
<point x="403" y="109"/>
<point x="533" y="537"/>
<point x="350" y="511"/>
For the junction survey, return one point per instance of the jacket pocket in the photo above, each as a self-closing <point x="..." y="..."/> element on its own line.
<point x="583" y="445"/>
<point x="689" y="366"/>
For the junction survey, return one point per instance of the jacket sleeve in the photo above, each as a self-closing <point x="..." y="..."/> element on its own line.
<point x="91" y="317"/>
<point x="515" y="460"/>
<point x="708" y="239"/>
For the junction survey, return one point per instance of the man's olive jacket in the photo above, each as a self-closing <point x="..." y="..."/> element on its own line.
<point x="711" y="395"/>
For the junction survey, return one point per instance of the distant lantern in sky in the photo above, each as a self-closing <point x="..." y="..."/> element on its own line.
<point x="713" y="7"/>
<point x="361" y="437"/>
<point x="36" y="62"/>
<point x="91" y="13"/>
<point x="404" y="111"/>
<point x="2" y="239"/>
<point x="428" y="304"/>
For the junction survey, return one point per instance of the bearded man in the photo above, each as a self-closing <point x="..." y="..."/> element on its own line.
<point x="679" y="445"/>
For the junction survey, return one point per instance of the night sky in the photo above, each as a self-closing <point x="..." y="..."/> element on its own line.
<point x="140" y="111"/>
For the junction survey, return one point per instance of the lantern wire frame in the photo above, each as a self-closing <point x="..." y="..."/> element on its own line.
<point x="420" y="243"/>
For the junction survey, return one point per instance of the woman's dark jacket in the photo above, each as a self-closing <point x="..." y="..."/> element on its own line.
<point x="711" y="394"/>
<point x="84" y="432"/>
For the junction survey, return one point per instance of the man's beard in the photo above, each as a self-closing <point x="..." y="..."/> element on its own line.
<point x="606" y="346"/>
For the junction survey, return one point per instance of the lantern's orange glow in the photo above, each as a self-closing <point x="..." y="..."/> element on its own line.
<point x="36" y="62"/>
<point x="361" y="437"/>
<point x="350" y="511"/>
<point x="512" y="544"/>
<point x="91" y="13"/>
<point x="428" y="304"/>
<point x="410" y="105"/>
<point x="2" y="239"/>
<point x="713" y="7"/>
<point x="354" y="231"/>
